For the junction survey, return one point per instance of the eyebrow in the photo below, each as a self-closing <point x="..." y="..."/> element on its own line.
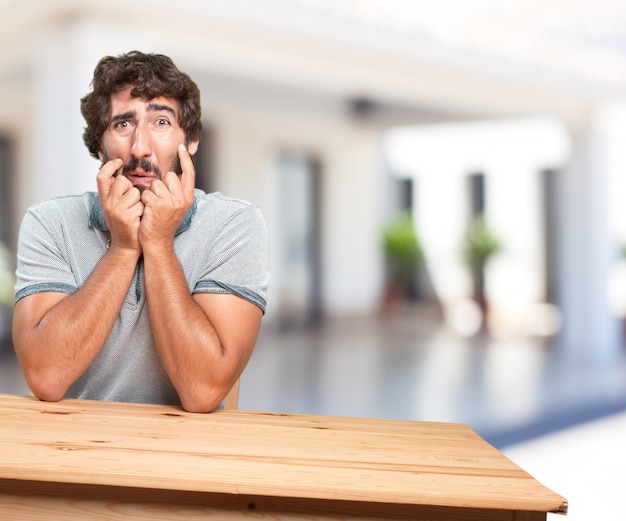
<point x="122" y="117"/>
<point x="158" y="107"/>
<point x="154" y="107"/>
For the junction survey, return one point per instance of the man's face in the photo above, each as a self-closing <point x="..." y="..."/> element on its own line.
<point x="145" y="134"/>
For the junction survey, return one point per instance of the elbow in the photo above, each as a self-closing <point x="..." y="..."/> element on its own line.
<point x="45" y="387"/>
<point x="199" y="406"/>
<point x="201" y="402"/>
<point x="46" y="394"/>
<point x="42" y="380"/>
<point x="48" y="397"/>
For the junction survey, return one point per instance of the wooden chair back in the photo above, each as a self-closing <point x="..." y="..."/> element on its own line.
<point x="232" y="398"/>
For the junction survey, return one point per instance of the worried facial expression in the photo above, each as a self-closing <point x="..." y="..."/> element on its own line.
<point x="145" y="134"/>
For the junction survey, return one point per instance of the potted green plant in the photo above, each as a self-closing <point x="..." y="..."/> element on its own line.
<point x="404" y="256"/>
<point x="481" y="244"/>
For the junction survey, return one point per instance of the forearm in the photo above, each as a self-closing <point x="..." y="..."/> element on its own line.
<point x="57" y="337"/>
<point x="204" y="340"/>
<point x="198" y="364"/>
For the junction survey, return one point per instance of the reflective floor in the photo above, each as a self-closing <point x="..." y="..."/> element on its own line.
<point x="408" y="366"/>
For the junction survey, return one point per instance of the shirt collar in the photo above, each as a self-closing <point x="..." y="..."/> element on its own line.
<point x="97" y="221"/>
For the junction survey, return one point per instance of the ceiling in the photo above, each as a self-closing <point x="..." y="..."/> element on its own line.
<point x="485" y="57"/>
<point x="586" y="38"/>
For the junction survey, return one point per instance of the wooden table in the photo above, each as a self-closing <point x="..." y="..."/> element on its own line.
<point x="89" y="460"/>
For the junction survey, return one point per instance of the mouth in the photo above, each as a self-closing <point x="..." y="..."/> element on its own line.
<point x="140" y="178"/>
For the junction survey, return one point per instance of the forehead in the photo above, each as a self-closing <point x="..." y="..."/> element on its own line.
<point x="124" y="102"/>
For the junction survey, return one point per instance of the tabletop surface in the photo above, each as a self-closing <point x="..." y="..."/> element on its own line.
<point x="265" y="454"/>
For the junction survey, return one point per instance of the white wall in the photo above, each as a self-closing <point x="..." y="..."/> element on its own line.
<point x="247" y="149"/>
<point x="511" y="155"/>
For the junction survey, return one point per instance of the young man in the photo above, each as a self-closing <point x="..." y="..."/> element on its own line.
<point x="150" y="290"/>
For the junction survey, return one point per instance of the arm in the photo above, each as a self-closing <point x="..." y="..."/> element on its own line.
<point x="56" y="335"/>
<point x="205" y="340"/>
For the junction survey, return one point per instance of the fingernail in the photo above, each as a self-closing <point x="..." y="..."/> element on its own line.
<point x="182" y="147"/>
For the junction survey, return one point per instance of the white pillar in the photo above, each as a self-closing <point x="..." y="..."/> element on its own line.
<point x="59" y="153"/>
<point x="585" y="248"/>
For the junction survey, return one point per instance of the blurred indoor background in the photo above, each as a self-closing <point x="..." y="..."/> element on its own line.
<point x="444" y="185"/>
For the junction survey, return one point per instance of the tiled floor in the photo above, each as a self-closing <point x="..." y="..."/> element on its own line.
<point x="545" y="409"/>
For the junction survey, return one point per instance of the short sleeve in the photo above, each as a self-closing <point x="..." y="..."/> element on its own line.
<point x="238" y="260"/>
<point x="42" y="264"/>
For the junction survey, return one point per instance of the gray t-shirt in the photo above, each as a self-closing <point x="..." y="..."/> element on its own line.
<point x="222" y="245"/>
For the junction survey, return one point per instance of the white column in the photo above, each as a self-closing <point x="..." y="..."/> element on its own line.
<point x="584" y="245"/>
<point x="59" y="153"/>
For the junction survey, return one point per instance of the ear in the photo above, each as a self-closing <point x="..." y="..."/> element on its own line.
<point x="101" y="156"/>
<point x="192" y="147"/>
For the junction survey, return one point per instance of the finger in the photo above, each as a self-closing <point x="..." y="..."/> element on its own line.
<point x="188" y="177"/>
<point x="171" y="182"/>
<point x="106" y="176"/>
<point x="147" y="196"/>
<point x="120" y="186"/>
<point x="162" y="188"/>
<point x="137" y="208"/>
<point x="129" y="209"/>
<point x="130" y="196"/>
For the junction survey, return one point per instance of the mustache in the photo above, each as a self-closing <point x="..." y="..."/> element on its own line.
<point x="145" y="164"/>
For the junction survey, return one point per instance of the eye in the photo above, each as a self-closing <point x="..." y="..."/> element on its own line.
<point x="122" y="124"/>
<point x="162" y="121"/>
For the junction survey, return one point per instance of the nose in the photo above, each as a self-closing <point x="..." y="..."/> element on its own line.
<point x="142" y="145"/>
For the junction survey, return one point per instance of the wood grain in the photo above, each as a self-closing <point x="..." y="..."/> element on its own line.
<point x="79" y="454"/>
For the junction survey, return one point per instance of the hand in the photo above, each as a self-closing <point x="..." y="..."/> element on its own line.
<point x="121" y="205"/>
<point x="166" y="204"/>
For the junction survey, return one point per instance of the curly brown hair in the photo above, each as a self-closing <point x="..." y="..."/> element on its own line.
<point x="150" y="75"/>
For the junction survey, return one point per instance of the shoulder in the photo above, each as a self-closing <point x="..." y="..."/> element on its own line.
<point x="220" y="208"/>
<point x="60" y="215"/>
<point x="63" y="204"/>
<point x="220" y="201"/>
